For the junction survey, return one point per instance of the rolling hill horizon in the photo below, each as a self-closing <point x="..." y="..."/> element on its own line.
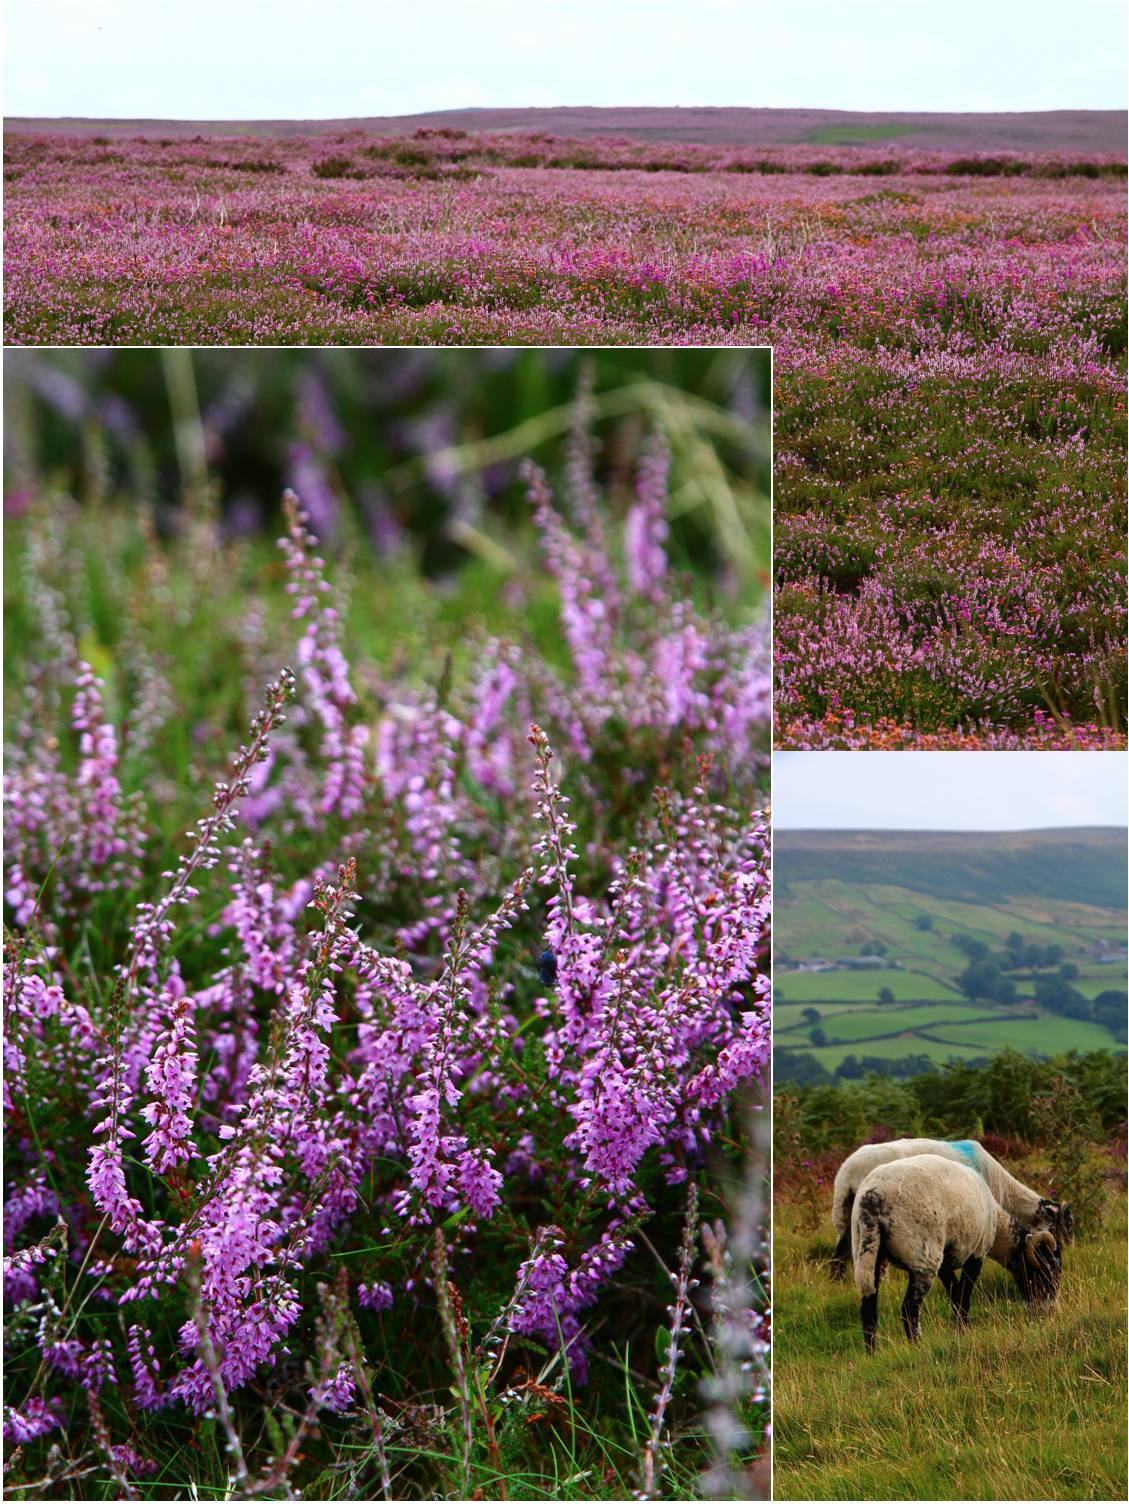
<point x="1031" y="131"/>
<point x="965" y="864"/>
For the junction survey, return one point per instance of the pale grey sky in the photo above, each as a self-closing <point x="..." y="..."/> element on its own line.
<point x="948" y="790"/>
<point x="310" y="59"/>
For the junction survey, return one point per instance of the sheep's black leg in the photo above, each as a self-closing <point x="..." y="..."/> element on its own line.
<point x="968" y="1277"/>
<point x="868" y="1310"/>
<point x="842" y="1256"/>
<point x="947" y="1275"/>
<point x="916" y="1291"/>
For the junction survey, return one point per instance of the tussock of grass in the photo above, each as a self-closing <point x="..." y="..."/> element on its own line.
<point x="1017" y="1407"/>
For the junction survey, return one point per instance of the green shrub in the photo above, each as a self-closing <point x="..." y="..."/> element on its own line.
<point x="1067" y="1123"/>
<point x="337" y="167"/>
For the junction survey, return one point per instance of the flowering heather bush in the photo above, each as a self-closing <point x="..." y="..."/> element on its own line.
<point x="837" y="732"/>
<point x="370" y="1068"/>
<point x="949" y="337"/>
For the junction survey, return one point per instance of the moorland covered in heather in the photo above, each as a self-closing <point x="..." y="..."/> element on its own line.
<point x="948" y="327"/>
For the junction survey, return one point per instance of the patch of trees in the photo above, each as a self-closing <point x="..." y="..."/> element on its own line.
<point x="984" y="979"/>
<point x="1020" y="954"/>
<point x="1056" y="993"/>
<point x="1111" y="1008"/>
<point x="797" y="1068"/>
<point x="855" y="1067"/>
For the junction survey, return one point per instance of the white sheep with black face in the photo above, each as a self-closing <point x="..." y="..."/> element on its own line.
<point x="1027" y="1206"/>
<point x="932" y="1216"/>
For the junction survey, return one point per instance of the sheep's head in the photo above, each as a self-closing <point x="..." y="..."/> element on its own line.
<point x="1056" y="1217"/>
<point x="1036" y="1262"/>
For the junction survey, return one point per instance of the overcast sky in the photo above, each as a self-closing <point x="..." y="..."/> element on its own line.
<point x="318" y="59"/>
<point x="948" y="790"/>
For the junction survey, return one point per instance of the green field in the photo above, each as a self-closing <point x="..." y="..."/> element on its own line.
<point x="1046" y="1035"/>
<point x="787" y="1016"/>
<point x="856" y="135"/>
<point x="832" y="1055"/>
<point x="858" y="987"/>
<point x="1108" y="979"/>
<point x="1089" y="983"/>
<point x="856" y="1024"/>
<point x="940" y="1031"/>
<point x="1018" y="1407"/>
<point x="820" y="912"/>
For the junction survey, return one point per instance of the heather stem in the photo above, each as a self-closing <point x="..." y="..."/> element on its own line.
<point x="203" y="851"/>
<point x="212" y="1364"/>
<point x="553" y="845"/>
<point x="355" y="1355"/>
<point x="454" y="1348"/>
<point x="652" y="1466"/>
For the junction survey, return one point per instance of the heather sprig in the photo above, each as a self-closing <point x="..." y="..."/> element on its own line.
<point x="328" y="694"/>
<point x="151" y="932"/>
<point x="680" y="1316"/>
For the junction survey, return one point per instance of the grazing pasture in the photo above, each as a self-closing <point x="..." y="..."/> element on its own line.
<point x="1018" y="1405"/>
<point x="938" y="1042"/>
<point x="898" y="1052"/>
<point x="1045" y="1035"/>
<point x="860" y="986"/>
<point x="853" y="1024"/>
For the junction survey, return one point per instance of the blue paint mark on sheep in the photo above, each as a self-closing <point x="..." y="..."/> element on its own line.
<point x="969" y="1151"/>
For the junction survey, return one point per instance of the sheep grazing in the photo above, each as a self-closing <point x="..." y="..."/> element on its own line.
<point x="1026" y="1205"/>
<point x="931" y="1216"/>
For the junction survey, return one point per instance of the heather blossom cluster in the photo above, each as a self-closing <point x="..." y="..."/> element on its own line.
<point x="318" y="1058"/>
<point x="82" y="827"/>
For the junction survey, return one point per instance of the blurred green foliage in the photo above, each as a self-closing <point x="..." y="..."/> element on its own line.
<point x="423" y="445"/>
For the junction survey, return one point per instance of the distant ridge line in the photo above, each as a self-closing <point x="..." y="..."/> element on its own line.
<point x="1083" y="863"/>
<point x="898" y="830"/>
<point x="1099" y="131"/>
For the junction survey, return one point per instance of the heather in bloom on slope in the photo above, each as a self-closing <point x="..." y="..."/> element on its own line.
<point x="949" y="347"/>
<point x="496" y="239"/>
<point x="287" y="1058"/>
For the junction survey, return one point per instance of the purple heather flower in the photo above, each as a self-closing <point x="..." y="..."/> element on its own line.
<point x="37" y="1417"/>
